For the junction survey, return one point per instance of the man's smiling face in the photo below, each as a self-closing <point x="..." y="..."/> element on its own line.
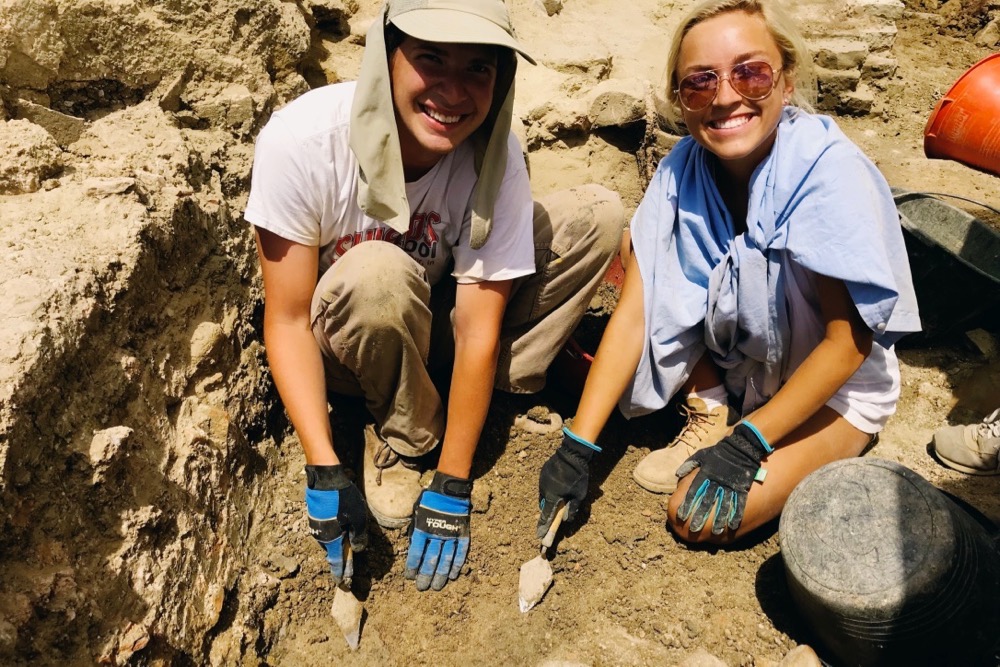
<point x="441" y="93"/>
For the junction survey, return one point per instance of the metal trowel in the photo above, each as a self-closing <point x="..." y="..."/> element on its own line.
<point x="347" y="610"/>
<point x="536" y="574"/>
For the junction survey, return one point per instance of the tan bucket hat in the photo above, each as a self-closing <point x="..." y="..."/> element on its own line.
<point x="461" y="21"/>
<point x="374" y="136"/>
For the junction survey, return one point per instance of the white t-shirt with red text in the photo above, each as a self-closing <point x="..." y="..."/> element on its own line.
<point x="304" y="188"/>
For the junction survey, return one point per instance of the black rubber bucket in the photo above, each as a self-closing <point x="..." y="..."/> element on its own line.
<point x="955" y="261"/>
<point x="887" y="570"/>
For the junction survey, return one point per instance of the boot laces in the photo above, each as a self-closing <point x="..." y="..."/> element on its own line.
<point x="990" y="428"/>
<point x="386" y="458"/>
<point x="697" y="424"/>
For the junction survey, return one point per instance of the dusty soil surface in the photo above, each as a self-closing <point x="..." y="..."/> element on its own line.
<point x="625" y="592"/>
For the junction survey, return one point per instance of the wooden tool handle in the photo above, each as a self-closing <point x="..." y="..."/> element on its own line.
<point x="556" y="520"/>
<point x="345" y="583"/>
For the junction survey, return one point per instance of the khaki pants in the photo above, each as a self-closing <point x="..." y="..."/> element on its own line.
<point x="384" y="330"/>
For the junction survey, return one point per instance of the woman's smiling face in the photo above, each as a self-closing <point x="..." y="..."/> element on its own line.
<point x="740" y="132"/>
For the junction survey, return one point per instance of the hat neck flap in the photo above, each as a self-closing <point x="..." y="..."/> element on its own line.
<point x="374" y="137"/>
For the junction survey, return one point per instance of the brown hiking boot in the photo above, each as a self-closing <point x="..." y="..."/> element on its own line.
<point x="391" y="481"/>
<point x="704" y="428"/>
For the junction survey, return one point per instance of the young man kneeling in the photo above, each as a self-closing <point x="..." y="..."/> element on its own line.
<point x="471" y="274"/>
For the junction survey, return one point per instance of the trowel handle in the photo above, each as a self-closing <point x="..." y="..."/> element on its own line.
<point x="554" y="528"/>
<point x="345" y="583"/>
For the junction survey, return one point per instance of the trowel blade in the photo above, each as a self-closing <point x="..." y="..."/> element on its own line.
<point x="347" y="611"/>
<point x="534" y="581"/>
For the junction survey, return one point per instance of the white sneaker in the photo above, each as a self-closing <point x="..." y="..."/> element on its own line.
<point x="971" y="448"/>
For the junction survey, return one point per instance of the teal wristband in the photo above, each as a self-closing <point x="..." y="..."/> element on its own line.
<point x="767" y="448"/>
<point x="576" y="438"/>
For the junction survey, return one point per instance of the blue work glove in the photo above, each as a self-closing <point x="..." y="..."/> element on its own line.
<point x="727" y="469"/>
<point x="439" y="534"/>
<point x="336" y="508"/>
<point x="564" y="478"/>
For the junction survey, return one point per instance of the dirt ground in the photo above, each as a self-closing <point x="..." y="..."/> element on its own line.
<point x="626" y="592"/>
<point x="258" y="593"/>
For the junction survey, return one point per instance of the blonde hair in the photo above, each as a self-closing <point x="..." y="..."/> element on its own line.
<point x="796" y="62"/>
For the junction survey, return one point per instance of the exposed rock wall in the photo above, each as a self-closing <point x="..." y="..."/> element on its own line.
<point x="131" y="360"/>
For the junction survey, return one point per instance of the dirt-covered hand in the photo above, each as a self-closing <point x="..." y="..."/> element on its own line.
<point x="726" y="472"/>
<point x="336" y="508"/>
<point x="564" y="478"/>
<point x="440" y="532"/>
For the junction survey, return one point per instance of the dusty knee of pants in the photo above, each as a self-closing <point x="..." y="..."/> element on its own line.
<point x="609" y="218"/>
<point x="374" y="287"/>
<point x="603" y="213"/>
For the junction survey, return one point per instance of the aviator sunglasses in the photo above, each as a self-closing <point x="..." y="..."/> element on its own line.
<point x="753" y="80"/>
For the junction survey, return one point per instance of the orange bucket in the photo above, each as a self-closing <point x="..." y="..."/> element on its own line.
<point x="965" y="123"/>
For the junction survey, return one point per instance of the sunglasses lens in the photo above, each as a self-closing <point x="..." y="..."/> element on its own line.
<point x="698" y="90"/>
<point x="753" y="80"/>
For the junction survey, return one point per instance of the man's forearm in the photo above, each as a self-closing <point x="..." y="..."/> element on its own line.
<point x="468" y="403"/>
<point x="297" y="367"/>
<point x="616" y="360"/>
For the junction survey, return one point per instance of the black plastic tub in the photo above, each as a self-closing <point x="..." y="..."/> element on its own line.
<point x="955" y="261"/>
<point x="887" y="570"/>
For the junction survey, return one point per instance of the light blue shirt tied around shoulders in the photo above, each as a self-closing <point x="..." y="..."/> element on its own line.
<point x="815" y="200"/>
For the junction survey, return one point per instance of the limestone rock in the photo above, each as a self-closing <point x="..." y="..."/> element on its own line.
<point x="28" y="156"/>
<point x="990" y="35"/>
<point x="877" y="68"/>
<point x="840" y="54"/>
<point x="857" y="102"/>
<point x="888" y="9"/>
<point x="105" y="187"/>
<point x="206" y="344"/>
<point x="550" y="7"/>
<point x="557" y="119"/>
<point x="230" y="107"/>
<point x="596" y="68"/>
<point x="835" y="84"/>
<point x="105" y="447"/>
<point x="617" y="102"/>
<point x="65" y="129"/>
<point x="482" y="495"/>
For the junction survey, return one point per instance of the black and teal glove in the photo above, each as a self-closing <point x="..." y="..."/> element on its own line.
<point x="336" y="508"/>
<point x="440" y="532"/>
<point x="727" y="469"/>
<point x="564" y="478"/>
